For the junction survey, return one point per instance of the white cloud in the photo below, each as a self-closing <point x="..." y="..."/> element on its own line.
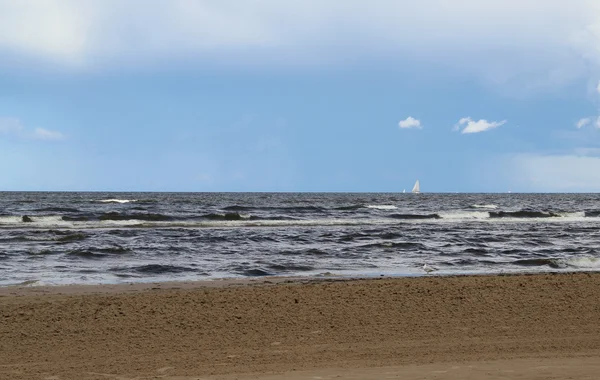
<point x="12" y="126"/>
<point x="588" y="121"/>
<point x="583" y="122"/>
<point x="44" y="134"/>
<point x="410" y="122"/>
<point x="108" y="32"/>
<point x="53" y="30"/>
<point x="471" y="126"/>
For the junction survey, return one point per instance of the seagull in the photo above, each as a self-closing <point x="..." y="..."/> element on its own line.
<point x="429" y="268"/>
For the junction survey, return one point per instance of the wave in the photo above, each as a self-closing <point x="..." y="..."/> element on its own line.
<point x="86" y="254"/>
<point x="271" y="208"/>
<point x="348" y="208"/>
<point x="575" y="214"/>
<point x="583" y="262"/>
<point x="43" y="252"/>
<point x="135" y="216"/>
<point x="488" y="206"/>
<point x="476" y="251"/>
<point x="232" y="216"/>
<point x="68" y="218"/>
<point x="552" y="263"/>
<point x="383" y="207"/>
<point x="117" y="200"/>
<point x="70" y="237"/>
<point x="255" y="272"/>
<point x="242" y="217"/>
<point x="156" y="269"/>
<point x="10" y="219"/>
<point x="304" y="208"/>
<point x="90" y="220"/>
<point x="238" y="208"/>
<point x="290" y="267"/>
<point x="414" y="216"/>
<point x="57" y="209"/>
<point x="249" y="271"/>
<point x="92" y="253"/>
<point x="44" y="220"/>
<point x="523" y="214"/>
<point x="465" y="215"/>
<point x="154" y="221"/>
<point x="402" y="245"/>
<point x="586" y="262"/>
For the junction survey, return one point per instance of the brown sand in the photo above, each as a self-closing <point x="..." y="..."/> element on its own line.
<point x="471" y="327"/>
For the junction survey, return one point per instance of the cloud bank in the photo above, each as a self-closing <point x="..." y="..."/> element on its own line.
<point x="93" y="33"/>
<point x="410" y="122"/>
<point x="468" y="125"/>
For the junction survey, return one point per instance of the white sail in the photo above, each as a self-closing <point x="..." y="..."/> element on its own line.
<point x="416" y="189"/>
<point x="404" y="191"/>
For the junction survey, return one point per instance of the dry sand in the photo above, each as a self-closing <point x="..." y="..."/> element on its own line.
<point x="468" y="327"/>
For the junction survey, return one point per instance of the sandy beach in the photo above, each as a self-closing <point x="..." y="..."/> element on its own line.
<point x="463" y="327"/>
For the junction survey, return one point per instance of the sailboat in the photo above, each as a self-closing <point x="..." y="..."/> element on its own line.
<point x="416" y="188"/>
<point x="404" y="191"/>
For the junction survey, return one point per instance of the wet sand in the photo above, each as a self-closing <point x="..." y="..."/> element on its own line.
<point x="479" y="327"/>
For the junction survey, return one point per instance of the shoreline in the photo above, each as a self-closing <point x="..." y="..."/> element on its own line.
<point x="32" y="287"/>
<point x="276" y="328"/>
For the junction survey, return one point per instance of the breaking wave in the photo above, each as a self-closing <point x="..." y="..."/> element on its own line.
<point x="136" y="216"/>
<point x="97" y="253"/>
<point x="228" y="216"/>
<point x="383" y="207"/>
<point x="414" y="216"/>
<point x="155" y="269"/>
<point x="523" y="214"/>
<point x="552" y="263"/>
<point x="586" y="262"/>
<point x="490" y="206"/>
<point x="460" y="215"/>
<point x="276" y="208"/>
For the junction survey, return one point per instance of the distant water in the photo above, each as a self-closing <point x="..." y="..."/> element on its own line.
<point x="58" y="238"/>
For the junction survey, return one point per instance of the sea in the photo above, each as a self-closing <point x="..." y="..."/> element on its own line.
<point x="49" y="238"/>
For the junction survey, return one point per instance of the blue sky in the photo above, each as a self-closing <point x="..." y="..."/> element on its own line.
<point x="266" y="95"/>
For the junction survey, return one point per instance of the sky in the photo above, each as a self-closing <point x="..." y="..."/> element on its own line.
<point x="300" y="95"/>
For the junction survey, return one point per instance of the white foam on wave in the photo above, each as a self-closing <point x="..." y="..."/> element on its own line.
<point x="10" y="219"/>
<point x="56" y="221"/>
<point x="50" y="220"/>
<point x="383" y="207"/>
<point x="460" y="215"/>
<point x="489" y="206"/>
<point x="124" y="223"/>
<point x="37" y="221"/>
<point x="586" y="262"/>
<point x="117" y="200"/>
<point x="285" y="223"/>
<point x="573" y="215"/>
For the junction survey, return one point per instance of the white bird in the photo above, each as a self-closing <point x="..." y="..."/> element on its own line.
<point x="429" y="268"/>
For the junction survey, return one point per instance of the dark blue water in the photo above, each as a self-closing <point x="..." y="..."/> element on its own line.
<point x="55" y="238"/>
